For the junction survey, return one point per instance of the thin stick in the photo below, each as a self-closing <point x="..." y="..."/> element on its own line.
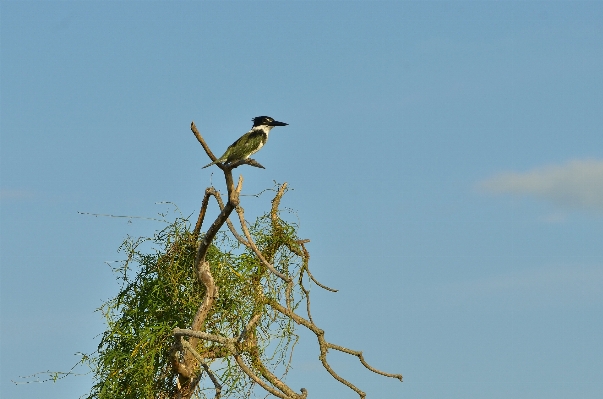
<point x="241" y="213"/>
<point x="307" y="254"/>
<point x="364" y="363"/>
<point x="201" y="361"/>
<point x="257" y="379"/>
<point x="213" y="379"/>
<point x="202" y="141"/>
<point x="202" y="212"/>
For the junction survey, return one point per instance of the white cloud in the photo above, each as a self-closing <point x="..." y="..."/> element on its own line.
<point x="575" y="184"/>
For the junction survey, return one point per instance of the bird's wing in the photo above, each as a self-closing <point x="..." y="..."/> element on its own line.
<point x="245" y="145"/>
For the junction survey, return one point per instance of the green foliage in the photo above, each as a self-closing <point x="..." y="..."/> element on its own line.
<point x="160" y="291"/>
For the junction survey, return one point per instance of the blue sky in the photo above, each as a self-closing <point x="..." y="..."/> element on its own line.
<point x="446" y="160"/>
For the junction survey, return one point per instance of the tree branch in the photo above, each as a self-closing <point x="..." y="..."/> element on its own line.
<point x="272" y="379"/>
<point x="364" y="363"/>
<point x="307" y="268"/>
<point x="257" y="379"/>
<point x="232" y="203"/>
<point x="254" y="320"/>
<point x="208" y="337"/>
<point x="241" y="213"/>
<point x="202" y="212"/>
<point x="231" y="227"/>
<point x="324" y="348"/>
<point x="213" y="379"/>
<point x="201" y="361"/>
<point x="202" y="141"/>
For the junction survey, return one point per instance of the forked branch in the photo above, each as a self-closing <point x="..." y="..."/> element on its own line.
<point x="325" y="346"/>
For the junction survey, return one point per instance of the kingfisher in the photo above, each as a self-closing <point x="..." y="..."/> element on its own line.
<point x="251" y="142"/>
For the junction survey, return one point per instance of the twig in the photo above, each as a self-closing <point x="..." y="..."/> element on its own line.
<point x="213" y="379"/>
<point x="231" y="227"/>
<point x="364" y="363"/>
<point x="275" y="203"/>
<point x="202" y="141"/>
<point x="324" y="348"/>
<point x="307" y="268"/>
<point x="322" y="343"/>
<point x="254" y="320"/>
<point x="201" y="361"/>
<point x="272" y="379"/>
<point x="258" y="194"/>
<point x="307" y="294"/>
<point x="121" y="216"/>
<point x="220" y="220"/>
<point x="202" y="212"/>
<point x="257" y="379"/>
<point x="255" y="249"/>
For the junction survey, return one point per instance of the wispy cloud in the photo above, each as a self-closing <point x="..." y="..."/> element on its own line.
<point x="575" y="184"/>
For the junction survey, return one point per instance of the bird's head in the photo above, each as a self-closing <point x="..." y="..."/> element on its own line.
<point x="266" y="121"/>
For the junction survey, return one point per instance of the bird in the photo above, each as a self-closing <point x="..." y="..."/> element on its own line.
<point x="249" y="143"/>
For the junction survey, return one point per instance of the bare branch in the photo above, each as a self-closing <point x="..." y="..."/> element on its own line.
<point x="178" y="366"/>
<point x="235" y="197"/>
<point x="322" y="343"/>
<point x="289" y="294"/>
<point x="257" y="379"/>
<point x="327" y="366"/>
<point x="202" y="212"/>
<point x="324" y="287"/>
<point x="296" y="318"/>
<point x="185" y="344"/>
<point x="202" y="141"/>
<point x="307" y="268"/>
<point x="232" y="229"/>
<point x="201" y="361"/>
<point x="274" y="380"/>
<point x="307" y="294"/>
<point x="254" y="320"/>
<point x="324" y="347"/>
<point x="275" y="203"/>
<point x="364" y="363"/>
<point x="213" y="379"/>
<point x="216" y="225"/>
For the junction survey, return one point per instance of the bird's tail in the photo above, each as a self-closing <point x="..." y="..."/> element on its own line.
<point x="210" y="164"/>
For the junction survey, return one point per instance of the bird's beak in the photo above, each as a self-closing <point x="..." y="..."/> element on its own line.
<point x="277" y="123"/>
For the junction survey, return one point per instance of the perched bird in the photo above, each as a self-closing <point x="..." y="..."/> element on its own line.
<point x="249" y="143"/>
